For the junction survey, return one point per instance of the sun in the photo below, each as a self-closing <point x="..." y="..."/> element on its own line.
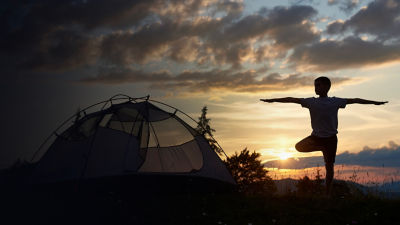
<point x="284" y="155"/>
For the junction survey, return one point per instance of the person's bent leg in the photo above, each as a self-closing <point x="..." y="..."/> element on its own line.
<point x="308" y="144"/>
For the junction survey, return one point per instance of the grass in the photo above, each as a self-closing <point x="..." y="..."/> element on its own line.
<point x="301" y="210"/>
<point x="348" y="205"/>
<point x="223" y="208"/>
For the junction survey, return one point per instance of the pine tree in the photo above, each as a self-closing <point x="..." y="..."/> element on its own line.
<point x="204" y="128"/>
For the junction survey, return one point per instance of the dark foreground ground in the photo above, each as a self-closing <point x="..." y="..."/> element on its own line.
<point x="206" y="208"/>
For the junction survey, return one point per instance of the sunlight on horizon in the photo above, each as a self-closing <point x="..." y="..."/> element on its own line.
<point x="270" y="154"/>
<point x="284" y="155"/>
<point x="367" y="175"/>
<point x="284" y="150"/>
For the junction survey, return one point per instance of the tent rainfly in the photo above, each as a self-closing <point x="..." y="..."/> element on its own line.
<point x="132" y="138"/>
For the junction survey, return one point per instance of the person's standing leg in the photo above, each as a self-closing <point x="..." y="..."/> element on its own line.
<point x="329" y="177"/>
<point x="329" y="158"/>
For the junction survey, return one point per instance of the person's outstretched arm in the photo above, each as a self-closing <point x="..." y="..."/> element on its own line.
<point x="363" y="101"/>
<point x="283" y="100"/>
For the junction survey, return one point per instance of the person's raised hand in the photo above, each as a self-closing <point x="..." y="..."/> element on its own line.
<point x="381" y="103"/>
<point x="266" y="100"/>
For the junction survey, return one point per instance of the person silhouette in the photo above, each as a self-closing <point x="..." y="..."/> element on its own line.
<point x="324" y="123"/>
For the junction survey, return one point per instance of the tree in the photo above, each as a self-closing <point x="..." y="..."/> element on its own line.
<point x="204" y="128"/>
<point x="249" y="173"/>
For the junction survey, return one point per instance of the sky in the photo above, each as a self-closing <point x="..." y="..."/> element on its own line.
<point x="58" y="56"/>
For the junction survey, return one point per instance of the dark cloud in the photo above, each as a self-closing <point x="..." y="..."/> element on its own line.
<point x="351" y="52"/>
<point x="291" y="27"/>
<point x="64" y="37"/>
<point x="373" y="39"/>
<point x="63" y="50"/>
<point x="204" y="81"/>
<point x="91" y="14"/>
<point x="335" y="27"/>
<point x="52" y="34"/>
<point x="380" y="18"/>
<point x="284" y="27"/>
<point x="67" y="35"/>
<point x="345" y="5"/>
<point x="294" y="35"/>
<point x="387" y="156"/>
<point x="74" y="35"/>
<point x="297" y="2"/>
<point x="217" y="41"/>
<point x="59" y="35"/>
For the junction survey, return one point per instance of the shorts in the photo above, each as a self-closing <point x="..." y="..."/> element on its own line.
<point x="327" y="145"/>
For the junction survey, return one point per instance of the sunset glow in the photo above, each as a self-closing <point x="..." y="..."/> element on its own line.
<point x="360" y="174"/>
<point x="284" y="155"/>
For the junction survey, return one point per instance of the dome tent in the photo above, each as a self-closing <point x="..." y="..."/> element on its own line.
<point x="134" y="140"/>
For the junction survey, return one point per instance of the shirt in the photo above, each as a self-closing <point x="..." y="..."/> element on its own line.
<point x="324" y="114"/>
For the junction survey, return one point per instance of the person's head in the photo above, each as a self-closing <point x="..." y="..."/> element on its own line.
<point x="322" y="86"/>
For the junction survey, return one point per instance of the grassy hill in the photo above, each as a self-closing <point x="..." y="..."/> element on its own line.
<point x="350" y="204"/>
<point x="89" y="207"/>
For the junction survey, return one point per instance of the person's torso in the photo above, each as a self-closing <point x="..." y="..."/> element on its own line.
<point x="324" y="116"/>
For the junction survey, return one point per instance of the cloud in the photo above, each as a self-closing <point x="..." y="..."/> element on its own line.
<point x="71" y="35"/>
<point x="204" y="81"/>
<point x="212" y="40"/>
<point x="372" y="38"/>
<point x="93" y="35"/>
<point x="49" y="35"/>
<point x="350" y="52"/>
<point x="155" y="41"/>
<point x="386" y="156"/>
<point x="61" y="50"/>
<point x="298" y="2"/>
<point x="92" y="14"/>
<point x="345" y="5"/>
<point x="291" y="27"/>
<point x="380" y="18"/>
